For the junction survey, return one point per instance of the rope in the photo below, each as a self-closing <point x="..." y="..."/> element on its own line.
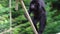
<point x="22" y="3"/>
<point x="9" y="29"/>
<point x="16" y="8"/>
<point x="10" y="15"/>
<point x="6" y="31"/>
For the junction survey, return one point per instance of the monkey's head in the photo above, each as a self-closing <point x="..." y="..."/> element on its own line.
<point x="34" y="6"/>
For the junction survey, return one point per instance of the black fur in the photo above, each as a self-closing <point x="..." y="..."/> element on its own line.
<point x="37" y="8"/>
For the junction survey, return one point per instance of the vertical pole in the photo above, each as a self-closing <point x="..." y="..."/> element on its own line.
<point x="22" y="3"/>
<point x="10" y="14"/>
<point x="16" y="8"/>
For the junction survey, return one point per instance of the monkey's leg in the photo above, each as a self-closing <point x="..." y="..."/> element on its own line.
<point x="35" y="23"/>
<point x="42" y="22"/>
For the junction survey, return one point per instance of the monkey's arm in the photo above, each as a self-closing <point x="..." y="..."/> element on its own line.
<point x="29" y="11"/>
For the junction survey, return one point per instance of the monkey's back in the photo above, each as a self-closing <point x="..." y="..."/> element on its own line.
<point x="36" y="7"/>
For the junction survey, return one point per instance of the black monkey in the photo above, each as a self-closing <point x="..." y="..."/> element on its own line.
<point x="38" y="10"/>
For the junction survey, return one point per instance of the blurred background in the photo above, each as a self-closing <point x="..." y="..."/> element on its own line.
<point x="4" y="13"/>
<point x="21" y="25"/>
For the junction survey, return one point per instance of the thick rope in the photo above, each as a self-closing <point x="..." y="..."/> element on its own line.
<point x="27" y="15"/>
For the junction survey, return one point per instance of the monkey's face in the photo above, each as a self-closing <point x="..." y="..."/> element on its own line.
<point x="34" y="6"/>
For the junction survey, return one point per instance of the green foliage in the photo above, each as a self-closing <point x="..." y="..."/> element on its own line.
<point x="23" y="25"/>
<point x="4" y="13"/>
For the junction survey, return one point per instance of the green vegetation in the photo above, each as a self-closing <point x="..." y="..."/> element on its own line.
<point x="23" y="25"/>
